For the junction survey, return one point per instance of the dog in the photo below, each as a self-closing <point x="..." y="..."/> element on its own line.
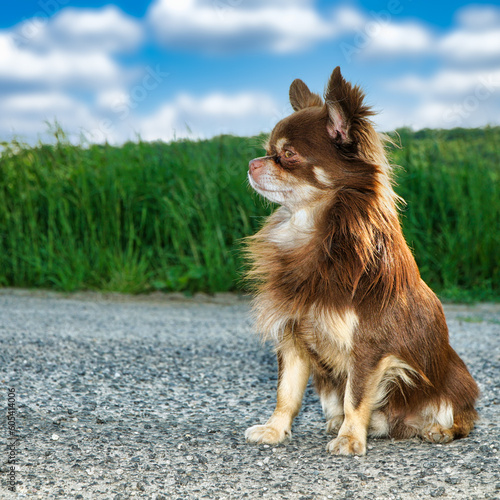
<point x="338" y="290"/>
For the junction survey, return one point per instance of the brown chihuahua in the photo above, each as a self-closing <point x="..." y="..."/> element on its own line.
<point x="338" y="289"/>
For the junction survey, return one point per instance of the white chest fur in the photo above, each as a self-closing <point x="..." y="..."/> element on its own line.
<point x="335" y="326"/>
<point x="326" y="331"/>
<point x="331" y="336"/>
<point x="293" y="230"/>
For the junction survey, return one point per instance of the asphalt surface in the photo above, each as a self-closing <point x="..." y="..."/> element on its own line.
<point x="149" y="397"/>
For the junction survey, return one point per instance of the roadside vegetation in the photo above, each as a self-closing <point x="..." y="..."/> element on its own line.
<point x="171" y="217"/>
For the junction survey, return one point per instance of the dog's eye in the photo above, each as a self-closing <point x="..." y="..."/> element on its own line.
<point x="289" y="154"/>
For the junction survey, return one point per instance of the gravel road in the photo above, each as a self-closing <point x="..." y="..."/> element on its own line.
<point x="149" y="397"/>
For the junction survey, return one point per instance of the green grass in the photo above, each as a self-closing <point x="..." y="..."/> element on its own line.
<point x="155" y="216"/>
<point x="451" y="183"/>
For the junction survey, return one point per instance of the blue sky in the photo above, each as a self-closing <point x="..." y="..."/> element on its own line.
<point x="168" y="69"/>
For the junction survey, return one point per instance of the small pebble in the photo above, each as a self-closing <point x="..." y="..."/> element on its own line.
<point x="439" y="492"/>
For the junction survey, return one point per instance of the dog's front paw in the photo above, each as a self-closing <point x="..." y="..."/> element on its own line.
<point x="266" y="434"/>
<point x="346" y="445"/>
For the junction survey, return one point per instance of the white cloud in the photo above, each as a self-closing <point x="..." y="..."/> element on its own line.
<point x="478" y="17"/>
<point x="435" y="113"/>
<point x="55" y="58"/>
<point x="105" y="30"/>
<point x="218" y="104"/>
<point x="67" y="65"/>
<point x="74" y="48"/>
<point x="465" y="90"/>
<point x="184" y="116"/>
<point x="471" y="46"/>
<point x="450" y="98"/>
<point x="469" y="112"/>
<point x="228" y="26"/>
<point x="475" y="40"/>
<point x="216" y="113"/>
<point x="46" y="103"/>
<point x="112" y="98"/>
<point x="234" y="25"/>
<point x="24" y="114"/>
<point x="349" y="18"/>
<point x="448" y="83"/>
<point x="55" y="67"/>
<point x="398" y="39"/>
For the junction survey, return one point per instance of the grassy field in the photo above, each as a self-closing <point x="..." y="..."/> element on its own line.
<point x="155" y="216"/>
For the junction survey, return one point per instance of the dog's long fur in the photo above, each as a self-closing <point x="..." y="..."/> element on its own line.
<point x="338" y="289"/>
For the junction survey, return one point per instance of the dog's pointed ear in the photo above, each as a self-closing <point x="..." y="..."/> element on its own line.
<point x="301" y="97"/>
<point x="345" y="107"/>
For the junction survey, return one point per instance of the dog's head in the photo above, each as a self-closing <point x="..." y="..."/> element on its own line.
<point x="318" y="148"/>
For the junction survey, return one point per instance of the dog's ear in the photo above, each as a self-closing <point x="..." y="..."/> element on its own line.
<point x="301" y="97"/>
<point x="345" y="106"/>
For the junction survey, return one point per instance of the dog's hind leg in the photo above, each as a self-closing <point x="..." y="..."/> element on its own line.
<point x="450" y="414"/>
